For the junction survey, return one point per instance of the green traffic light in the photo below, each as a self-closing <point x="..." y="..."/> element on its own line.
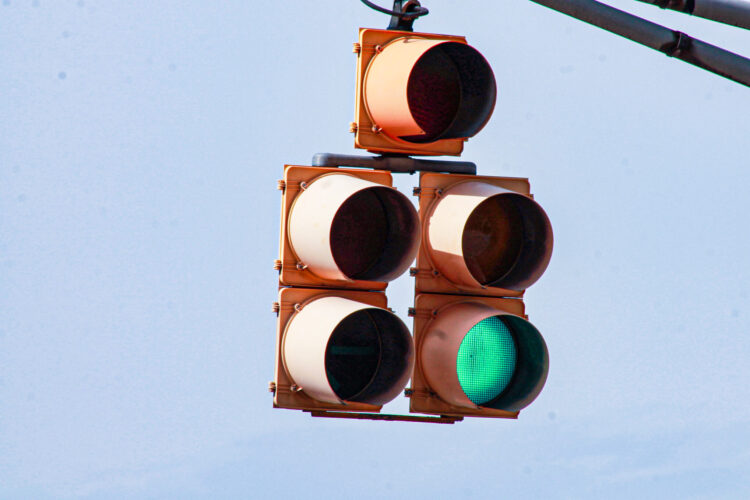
<point x="486" y="360"/>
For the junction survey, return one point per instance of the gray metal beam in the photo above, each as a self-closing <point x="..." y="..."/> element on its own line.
<point x="733" y="12"/>
<point x="672" y="43"/>
<point x="396" y="164"/>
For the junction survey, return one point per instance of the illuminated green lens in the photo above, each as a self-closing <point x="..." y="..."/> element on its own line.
<point x="486" y="360"/>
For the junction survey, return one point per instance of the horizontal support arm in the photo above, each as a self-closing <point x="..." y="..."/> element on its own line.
<point x="442" y="419"/>
<point x="672" y="43"/>
<point x="396" y="164"/>
<point x="732" y="12"/>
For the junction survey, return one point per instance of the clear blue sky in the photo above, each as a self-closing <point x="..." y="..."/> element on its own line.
<point x="140" y="144"/>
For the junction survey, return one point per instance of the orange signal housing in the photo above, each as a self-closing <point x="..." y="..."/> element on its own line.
<point x="484" y="241"/>
<point x="371" y="186"/>
<point x="286" y="393"/>
<point x="432" y="265"/>
<point x="344" y="234"/>
<point x="419" y="93"/>
<point x="422" y="397"/>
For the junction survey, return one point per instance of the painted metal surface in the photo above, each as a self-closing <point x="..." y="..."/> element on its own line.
<point x="422" y="90"/>
<point x="306" y="340"/>
<point x="423" y="397"/>
<point x="442" y="419"/>
<point x="367" y="134"/>
<point x="293" y="271"/>
<point x="672" y="43"/>
<point x="315" y="210"/>
<point x="287" y="393"/>
<point x="446" y="237"/>
<point x="732" y="12"/>
<point x="396" y="164"/>
<point x="386" y="83"/>
<point x="442" y="339"/>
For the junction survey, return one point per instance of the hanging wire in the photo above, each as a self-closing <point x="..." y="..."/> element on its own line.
<point x="418" y="11"/>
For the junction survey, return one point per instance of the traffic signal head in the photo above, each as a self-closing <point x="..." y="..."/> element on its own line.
<point x="345" y="228"/>
<point x="484" y="241"/>
<point x="339" y="350"/>
<point x="480" y="236"/>
<point x="344" y="234"/>
<point x="476" y="356"/>
<point x="419" y="93"/>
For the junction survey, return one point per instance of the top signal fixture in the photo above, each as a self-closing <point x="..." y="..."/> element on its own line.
<point x="420" y="93"/>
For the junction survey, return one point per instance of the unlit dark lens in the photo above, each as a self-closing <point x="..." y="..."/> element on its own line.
<point x="374" y="234"/>
<point x="434" y="93"/>
<point x="451" y="93"/>
<point x="368" y="352"/>
<point x="507" y="242"/>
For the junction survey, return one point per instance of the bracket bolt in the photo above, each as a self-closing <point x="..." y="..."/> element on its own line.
<point x="356" y="47"/>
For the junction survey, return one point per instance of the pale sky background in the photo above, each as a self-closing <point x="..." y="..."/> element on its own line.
<point x="140" y="144"/>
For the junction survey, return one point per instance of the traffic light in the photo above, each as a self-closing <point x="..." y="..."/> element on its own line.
<point x="479" y="242"/>
<point x="481" y="235"/>
<point x="419" y="93"/>
<point x="339" y="350"/>
<point x="484" y="241"/>
<point x="344" y="228"/>
<point x="344" y="234"/>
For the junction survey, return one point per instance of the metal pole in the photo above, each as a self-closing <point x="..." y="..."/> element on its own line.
<point x="733" y="12"/>
<point x="672" y="43"/>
